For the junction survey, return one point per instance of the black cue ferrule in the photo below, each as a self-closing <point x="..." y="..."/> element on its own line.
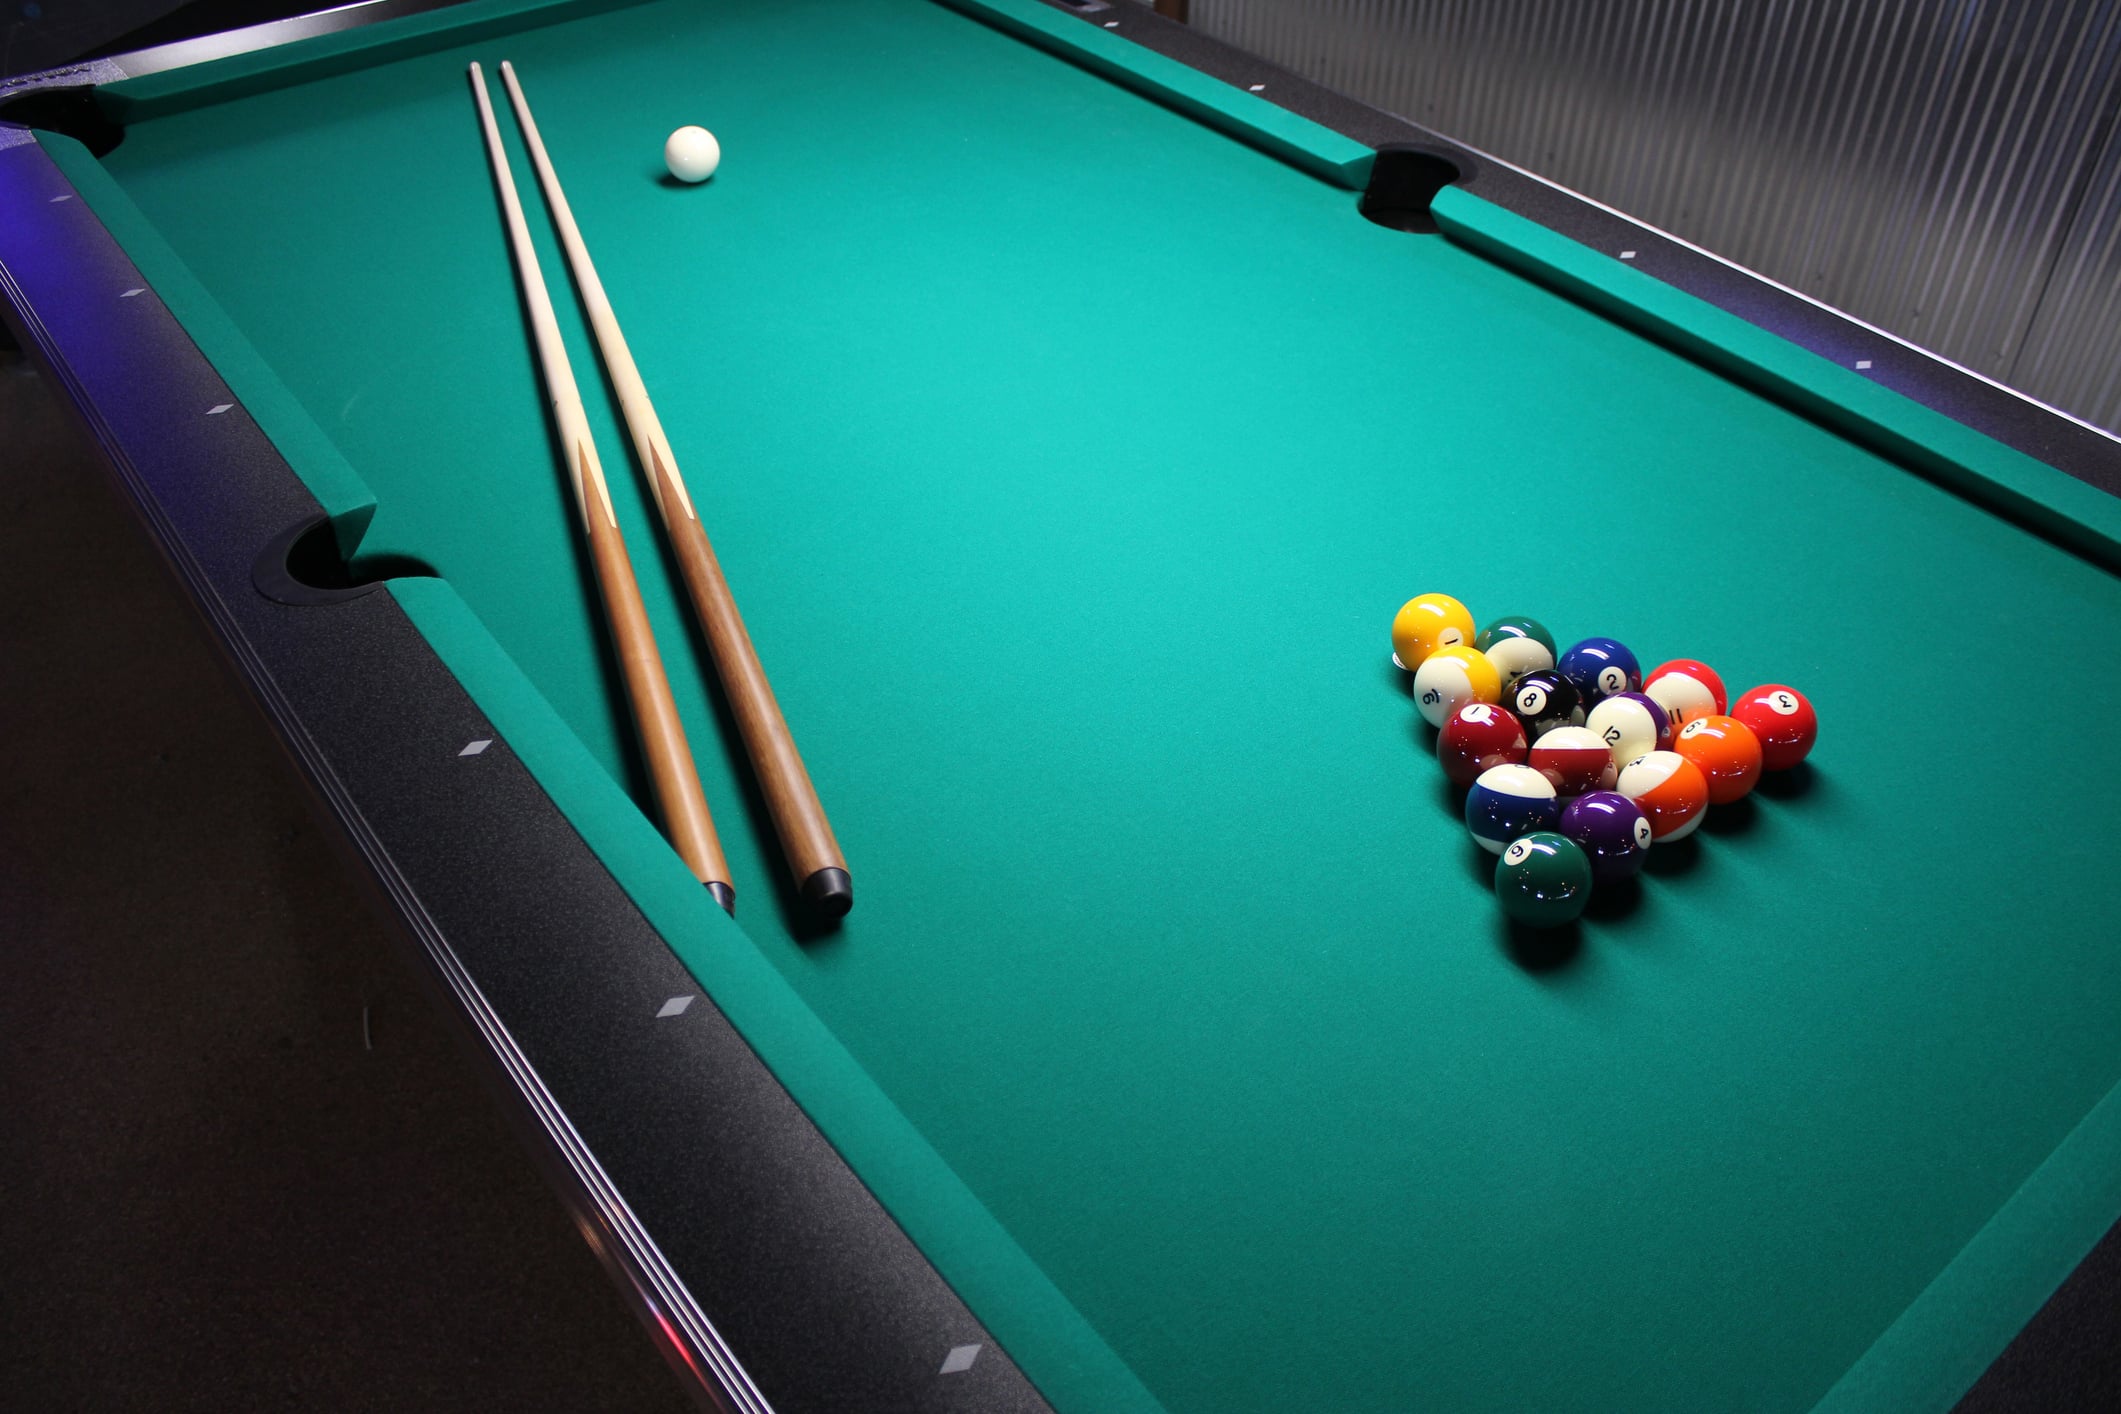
<point x="829" y="892"/>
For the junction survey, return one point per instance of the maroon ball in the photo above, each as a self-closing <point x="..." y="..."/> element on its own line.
<point x="1477" y="736"/>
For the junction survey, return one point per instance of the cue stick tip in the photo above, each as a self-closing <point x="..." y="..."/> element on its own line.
<point x="722" y="894"/>
<point x="829" y="892"/>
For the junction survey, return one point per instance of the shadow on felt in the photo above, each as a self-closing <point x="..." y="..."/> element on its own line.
<point x="1610" y="903"/>
<point x="1733" y="821"/>
<point x="1675" y="859"/>
<point x="1796" y="783"/>
<point x="1540" y="950"/>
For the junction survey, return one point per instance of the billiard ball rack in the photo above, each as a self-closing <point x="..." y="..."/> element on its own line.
<point x="1574" y="764"/>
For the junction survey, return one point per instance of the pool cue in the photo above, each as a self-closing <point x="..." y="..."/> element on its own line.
<point x="655" y="711"/>
<point x="798" y="817"/>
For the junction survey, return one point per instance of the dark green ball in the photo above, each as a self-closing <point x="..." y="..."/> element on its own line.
<point x="1543" y="880"/>
<point x="1516" y="628"/>
<point x="1517" y="647"/>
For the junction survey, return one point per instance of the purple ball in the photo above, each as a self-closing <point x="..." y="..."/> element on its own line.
<point x="1612" y="830"/>
<point x="1631" y="725"/>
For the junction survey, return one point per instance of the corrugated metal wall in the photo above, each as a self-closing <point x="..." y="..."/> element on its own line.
<point x="2072" y="356"/>
<point x="1949" y="172"/>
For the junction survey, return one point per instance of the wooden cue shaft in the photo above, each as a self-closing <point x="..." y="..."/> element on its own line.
<point x="798" y="817"/>
<point x="655" y="712"/>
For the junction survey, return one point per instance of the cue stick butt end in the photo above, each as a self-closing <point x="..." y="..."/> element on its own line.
<point x="829" y="892"/>
<point x="724" y="895"/>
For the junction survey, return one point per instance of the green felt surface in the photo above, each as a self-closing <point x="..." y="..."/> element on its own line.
<point x="1069" y="459"/>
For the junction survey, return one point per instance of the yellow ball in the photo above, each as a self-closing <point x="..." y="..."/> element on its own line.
<point x="1426" y="624"/>
<point x="1450" y="678"/>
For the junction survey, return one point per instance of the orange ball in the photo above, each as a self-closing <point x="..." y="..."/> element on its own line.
<point x="1726" y="753"/>
<point x="1669" y="789"/>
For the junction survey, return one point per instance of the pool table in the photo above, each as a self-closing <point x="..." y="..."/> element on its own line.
<point x="1071" y="402"/>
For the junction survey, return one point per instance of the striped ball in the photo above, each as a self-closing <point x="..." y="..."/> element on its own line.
<point x="1507" y="802"/>
<point x="1670" y="789"/>
<point x="1685" y="689"/>
<point x="1575" y="759"/>
<point x="1516" y="655"/>
<point x="1451" y="677"/>
<point x="1631" y="725"/>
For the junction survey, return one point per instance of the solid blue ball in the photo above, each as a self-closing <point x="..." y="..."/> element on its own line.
<point x="1600" y="667"/>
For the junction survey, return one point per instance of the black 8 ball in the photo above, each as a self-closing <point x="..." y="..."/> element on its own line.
<point x="1543" y="701"/>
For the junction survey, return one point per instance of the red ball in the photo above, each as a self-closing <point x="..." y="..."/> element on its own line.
<point x="1686" y="689"/>
<point x="1782" y="719"/>
<point x="1575" y="759"/>
<point x="1477" y="736"/>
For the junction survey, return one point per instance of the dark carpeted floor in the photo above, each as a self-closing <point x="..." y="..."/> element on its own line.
<point x="242" y="1164"/>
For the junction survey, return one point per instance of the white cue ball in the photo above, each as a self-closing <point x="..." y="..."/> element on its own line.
<point x="692" y="154"/>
